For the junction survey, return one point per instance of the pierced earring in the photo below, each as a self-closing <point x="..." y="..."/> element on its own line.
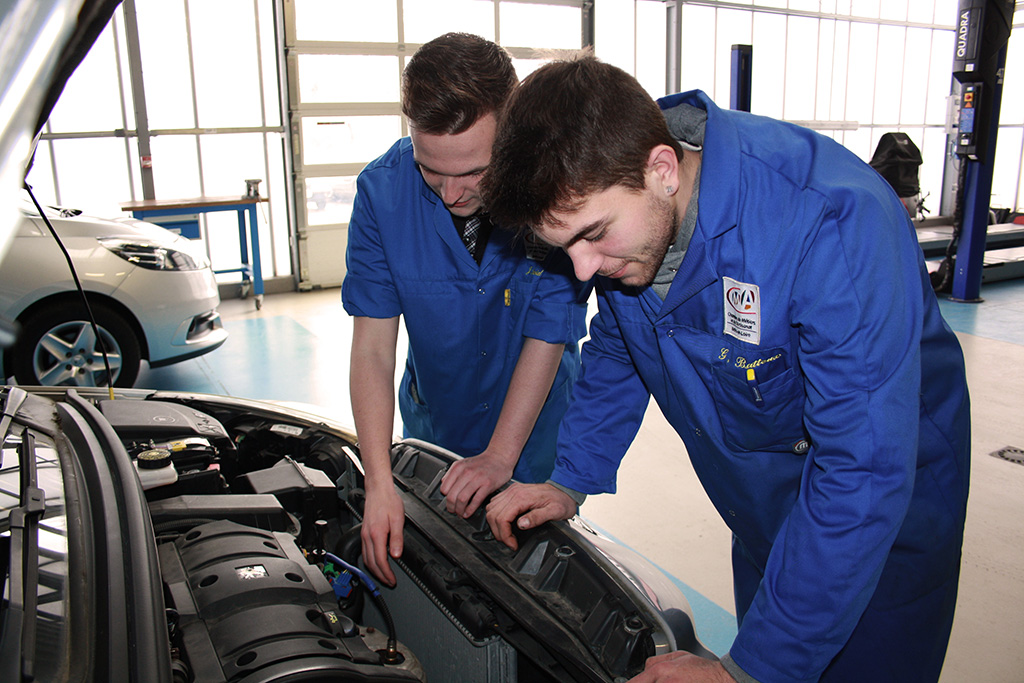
<point x="668" y="190"/>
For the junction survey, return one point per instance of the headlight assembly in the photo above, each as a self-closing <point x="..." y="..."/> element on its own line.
<point x="153" y="256"/>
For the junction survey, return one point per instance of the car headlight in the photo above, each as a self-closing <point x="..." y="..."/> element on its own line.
<point x="153" y="256"/>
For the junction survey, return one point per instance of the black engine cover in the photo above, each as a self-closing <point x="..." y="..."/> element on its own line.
<point x="250" y="607"/>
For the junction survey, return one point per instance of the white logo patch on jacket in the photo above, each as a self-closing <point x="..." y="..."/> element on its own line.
<point x="742" y="303"/>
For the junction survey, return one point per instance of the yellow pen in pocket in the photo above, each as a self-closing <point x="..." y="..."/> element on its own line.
<point x="755" y="391"/>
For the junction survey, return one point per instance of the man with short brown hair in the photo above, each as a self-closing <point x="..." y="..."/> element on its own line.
<point x="767" y="288"/>
<point x="493" y="329"/>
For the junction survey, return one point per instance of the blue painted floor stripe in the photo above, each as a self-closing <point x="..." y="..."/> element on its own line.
<point x="999" y="316"/>
<point x="270" y="358"/>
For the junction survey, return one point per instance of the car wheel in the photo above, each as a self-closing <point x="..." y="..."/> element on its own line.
<point x="57" y="347"/>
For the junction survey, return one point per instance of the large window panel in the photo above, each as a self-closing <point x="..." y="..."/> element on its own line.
<point x="1011" y="109"/>
<point x="840" y="67"/>
<point x="733" y="27"/>
<point x="945" y="12"/>
<point x="870" y="9"/>
<point x="427" y="19"/>
<point x="92" y="100"/>
<point x="276" y="189"/>
<point x="93" y="174"/>
<point x="615" y="33"/>
<point x="859" y="142"/>
<point x="347" y="20"/>
<point x="768" y="89"/>
<point x="894" y="10"/>
<point x="226" y="74"/>
<point x="650" y="47"/>
<point x="860" y="76"/>
<point x="915" y="91"/>
<point x="1006" y="169"/>
<point x="933" y="154"/>
<point x="175" y="167"/>
<point x="348" y="78"/>
<point x="540" y="26"/>
<point x="348" y="139"/>
<point x="698" y="42"/>
<point x="888" y="87"/>
<point x="801" y="67"/>
<point x="329" y="199"/>
<point x="165" y="64"/>
<point x="825" y="83"/>
<point x="228" y="160"/>
<point x="271" y="81"/>
<point x="940" y="77"/>
<point x="923" y="11"/>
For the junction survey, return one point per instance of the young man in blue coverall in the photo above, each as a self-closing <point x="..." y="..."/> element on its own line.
<point x="493" y="332"/>
<point x="767" y="288"/>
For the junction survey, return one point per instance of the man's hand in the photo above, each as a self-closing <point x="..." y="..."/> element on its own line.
<point x="383" y="522"/>
<point x="682" y="667"/>
<point x="467" y="482"/>
<point x="533" y="504"/>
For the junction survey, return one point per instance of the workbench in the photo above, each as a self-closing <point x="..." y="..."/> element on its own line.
<point x="182" y="216"/>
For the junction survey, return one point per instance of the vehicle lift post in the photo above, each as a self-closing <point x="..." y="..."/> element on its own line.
<point x="983" y="31"/>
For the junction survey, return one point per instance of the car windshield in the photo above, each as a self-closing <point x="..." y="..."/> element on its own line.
<point x="34" y="642"/>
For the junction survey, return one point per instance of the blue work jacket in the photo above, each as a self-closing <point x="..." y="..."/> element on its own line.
<point x="801" y="356"/>
<point x="466" y="323"/>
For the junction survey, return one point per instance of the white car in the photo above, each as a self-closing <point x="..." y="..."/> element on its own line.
<point x="152" y="293"/>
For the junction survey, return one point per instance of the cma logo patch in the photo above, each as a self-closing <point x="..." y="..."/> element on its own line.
<point x="742" y="310"/>
<point x="742" y="299"/>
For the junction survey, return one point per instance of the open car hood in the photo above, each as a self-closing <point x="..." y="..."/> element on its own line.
<point x="233" y="567"/>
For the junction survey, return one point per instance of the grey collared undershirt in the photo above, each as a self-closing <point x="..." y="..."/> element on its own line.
<point x="686" y="123"/>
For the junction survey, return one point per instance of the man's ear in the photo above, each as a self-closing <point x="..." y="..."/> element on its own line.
<point x="663" y="169"/>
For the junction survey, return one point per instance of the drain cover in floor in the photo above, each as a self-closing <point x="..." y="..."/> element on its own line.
<point x="1010" y="454"/>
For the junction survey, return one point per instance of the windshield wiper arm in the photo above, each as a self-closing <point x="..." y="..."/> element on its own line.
<point x="15" y="397"/>
<point x="18" y="639"/>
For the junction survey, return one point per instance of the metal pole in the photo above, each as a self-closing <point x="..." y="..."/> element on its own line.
<point x="970" y="253"/>
<point x="131" y="26"/>
<point x="673" y="47"/>
<point x="588" y="28"/>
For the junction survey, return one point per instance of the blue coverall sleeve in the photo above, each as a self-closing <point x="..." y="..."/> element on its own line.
<point x="558" y="310"/>
<point x="368" y="288"/>
<point x="605" y="411"/>
<point x="857" y="304"/>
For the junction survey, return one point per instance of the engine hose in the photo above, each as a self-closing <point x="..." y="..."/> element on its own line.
<point x="391" y="655"/>
<point x="350" y="547"/>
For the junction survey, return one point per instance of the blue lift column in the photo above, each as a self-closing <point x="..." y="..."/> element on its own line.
<point x="742" y="66"/>
<point x="983" y="30"/>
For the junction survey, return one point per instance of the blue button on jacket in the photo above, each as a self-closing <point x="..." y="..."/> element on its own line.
<point x="801" y="356"/>
<point x="466" y="322"/>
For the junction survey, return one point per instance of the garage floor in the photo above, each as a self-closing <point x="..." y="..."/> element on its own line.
<point x="296" y="349"/>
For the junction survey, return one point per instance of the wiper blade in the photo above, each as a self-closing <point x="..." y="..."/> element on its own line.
<point x="18" y="629"/>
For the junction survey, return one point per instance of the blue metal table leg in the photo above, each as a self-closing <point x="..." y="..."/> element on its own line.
<point x="243" y="248"/>
<point x="256" y="261"/>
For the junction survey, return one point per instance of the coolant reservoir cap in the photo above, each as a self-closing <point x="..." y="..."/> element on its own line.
<point x="154" y="459"/>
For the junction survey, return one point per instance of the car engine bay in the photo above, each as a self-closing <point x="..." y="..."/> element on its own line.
<point x="254" y="513"/>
